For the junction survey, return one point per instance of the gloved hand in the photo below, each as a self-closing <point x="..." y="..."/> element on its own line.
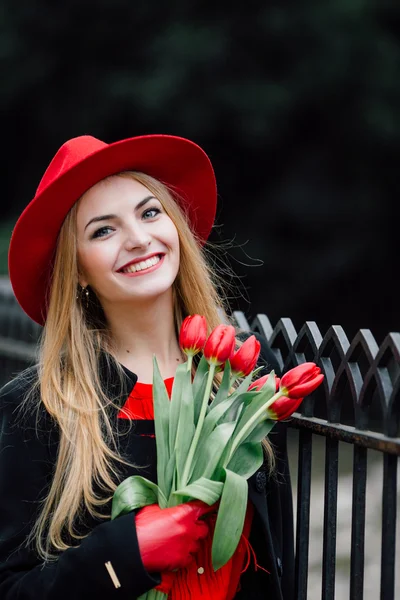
<point x="169" y="537"/>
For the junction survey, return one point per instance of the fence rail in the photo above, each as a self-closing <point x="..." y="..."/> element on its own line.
<point x="358" y="403"/>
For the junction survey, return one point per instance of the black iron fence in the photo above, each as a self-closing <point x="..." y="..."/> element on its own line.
<point x="359" y="403"/>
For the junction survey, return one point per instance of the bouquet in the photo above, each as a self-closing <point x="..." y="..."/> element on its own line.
<point x="209" y="442"/>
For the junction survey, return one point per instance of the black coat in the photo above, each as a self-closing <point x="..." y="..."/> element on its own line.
<point x="27" y="455"/>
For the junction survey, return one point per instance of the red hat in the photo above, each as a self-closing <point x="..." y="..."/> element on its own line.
<point x="79" y="164"/>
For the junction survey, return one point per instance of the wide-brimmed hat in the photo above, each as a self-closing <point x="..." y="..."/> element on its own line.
<point x="79" y="164"/>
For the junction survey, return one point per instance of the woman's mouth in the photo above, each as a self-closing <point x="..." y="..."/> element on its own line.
<point x="142" y="267"/>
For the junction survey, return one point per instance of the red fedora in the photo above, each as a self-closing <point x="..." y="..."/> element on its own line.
<point x="79" y="164"/>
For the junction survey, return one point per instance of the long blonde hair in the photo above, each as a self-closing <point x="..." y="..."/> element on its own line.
<point x="69" y="384"/>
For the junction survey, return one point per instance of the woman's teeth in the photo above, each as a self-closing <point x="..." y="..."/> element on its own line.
<point x="145" y="264"/>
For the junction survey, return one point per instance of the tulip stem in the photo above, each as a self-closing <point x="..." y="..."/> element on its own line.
<point x="189" y="362"/>
<point x="243" y="433"/>
<point x="232" y="381"/>
<point x="193" y="446"/>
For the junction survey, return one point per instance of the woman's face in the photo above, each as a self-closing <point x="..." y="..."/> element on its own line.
<point x="128" y="247"/>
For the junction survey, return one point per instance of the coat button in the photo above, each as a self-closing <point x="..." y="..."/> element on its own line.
<point x="261" y="481"/>
<point x="279" y="566"/>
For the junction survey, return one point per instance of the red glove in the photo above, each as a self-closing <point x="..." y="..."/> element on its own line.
<point x="168" y="537"/>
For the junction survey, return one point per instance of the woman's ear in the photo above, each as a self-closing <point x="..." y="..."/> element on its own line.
<point x="82" y="280"/>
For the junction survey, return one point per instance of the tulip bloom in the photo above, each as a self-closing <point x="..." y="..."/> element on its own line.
<point x="283" y="407"/>
<point x="259" y="383"/>
<point x="220" y="345"/>
<point x="245" y="359"/>
<point x="192" y="335"/>
<point x="301" y="380"/>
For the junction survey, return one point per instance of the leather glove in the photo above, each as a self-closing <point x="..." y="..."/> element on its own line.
<point x="169" y="537"/>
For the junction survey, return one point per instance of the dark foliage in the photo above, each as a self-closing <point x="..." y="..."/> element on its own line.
<point x="296" y="102"/>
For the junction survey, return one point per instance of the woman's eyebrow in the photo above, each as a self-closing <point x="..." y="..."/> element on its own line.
<point x="144" y="201"/>
<point x="102" y="218"/>
<point x="109" y="217"/>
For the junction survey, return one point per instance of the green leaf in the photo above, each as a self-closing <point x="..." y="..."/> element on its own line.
<point x="161" y="424"/>
<point x="242" y="388"/>
<point x="256" y="372"/>
<point x="212" y="453"/>
<point x="230" y="519"/>
<point x="185" y="432"/>
<point x="175" y="403"/>
<point x="247" y="459"/>
<point x="169" y="475"/>
<point x="135" y="492"/>
<point x="153" y="594"/>
<point x="260" y="431"/>
<point x="202" y="489"/>
<point x="216" y="416"/>
<point x="224" y="387"/>
<point x="240" y="401"/>
<point x="199" y="386"/>
<point x="256" y="402"/>
<point x="201" y="371"/>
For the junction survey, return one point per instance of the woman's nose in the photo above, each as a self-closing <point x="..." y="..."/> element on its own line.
<point x="137" y="237"/>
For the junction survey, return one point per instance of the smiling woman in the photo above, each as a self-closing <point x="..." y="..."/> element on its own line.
<point x="116" y="236"/>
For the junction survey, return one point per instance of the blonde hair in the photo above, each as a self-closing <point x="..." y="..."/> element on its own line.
<point x="69" y="383"/>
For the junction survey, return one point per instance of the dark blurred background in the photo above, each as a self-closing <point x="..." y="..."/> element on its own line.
<point x="296" y="102"/>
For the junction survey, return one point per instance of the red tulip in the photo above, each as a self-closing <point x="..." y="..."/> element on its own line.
<point x="283" y="407"/>
<point x="301" y="380"/>
<point x="220" y="344"/>
<point x="245" y="359"/>
<point x="192" y="335"/>
<point x="259" y="383"/>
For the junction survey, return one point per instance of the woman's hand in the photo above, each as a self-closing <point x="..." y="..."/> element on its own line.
<point x="169" y="537"/>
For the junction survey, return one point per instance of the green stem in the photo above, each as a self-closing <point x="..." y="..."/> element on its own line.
<point x="232" y="381"/>
<point x="189" y="362"/>
<point x="243" y="433"/>
<point x="193" y="445"/>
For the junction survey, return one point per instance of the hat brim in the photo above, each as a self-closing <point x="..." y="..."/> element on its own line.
<point x="179" y="163"/>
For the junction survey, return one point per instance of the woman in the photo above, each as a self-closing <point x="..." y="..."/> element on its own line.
<point x="108" y="257"/>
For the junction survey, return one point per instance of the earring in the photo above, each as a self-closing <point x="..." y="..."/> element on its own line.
<point x="79" y="295"/>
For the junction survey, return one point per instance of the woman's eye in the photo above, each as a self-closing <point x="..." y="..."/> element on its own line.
<point x="152" y="212"/>
<point x="102" y="232"/>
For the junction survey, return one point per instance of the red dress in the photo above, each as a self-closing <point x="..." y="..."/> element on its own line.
<point x="198" y="580"/>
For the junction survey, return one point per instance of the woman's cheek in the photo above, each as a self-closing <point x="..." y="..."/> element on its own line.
<point x="95" y="261"/>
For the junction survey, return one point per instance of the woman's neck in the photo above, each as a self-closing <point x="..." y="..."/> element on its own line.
<point x="142" y="333"/>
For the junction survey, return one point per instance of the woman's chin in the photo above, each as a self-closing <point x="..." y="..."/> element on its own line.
<point x="148" y="295"/>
